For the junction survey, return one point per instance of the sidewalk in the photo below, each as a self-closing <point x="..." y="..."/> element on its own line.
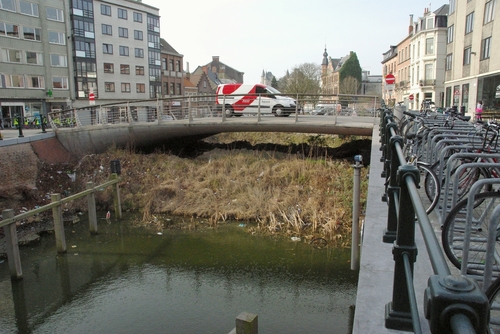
<point x="376" y="273"/>
<point x="11" y="136"/>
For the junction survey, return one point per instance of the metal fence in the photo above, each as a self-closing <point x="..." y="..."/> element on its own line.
<point x="205" y="106"/>
<point x="453" y="304"/>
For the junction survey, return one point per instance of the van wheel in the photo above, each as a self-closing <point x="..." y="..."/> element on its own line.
<point x="229" y="111"/>
<point x="278" y="111"/>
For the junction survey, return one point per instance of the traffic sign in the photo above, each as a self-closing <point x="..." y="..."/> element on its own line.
<point x="390" y="79"/>
<point x="91" y="98"/>
<point x="411" y="97"/>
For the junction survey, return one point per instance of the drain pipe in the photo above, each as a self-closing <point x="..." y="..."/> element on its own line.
<point x="355" y="213"/>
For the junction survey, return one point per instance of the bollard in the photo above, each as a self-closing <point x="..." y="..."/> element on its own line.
<point x="116" y="197"/>
<point x="355" y="213"/>
<point x="92" y="209"/>
<point x="58" y="224"/>
<point x="12" y="247"/>
<point x="246" y="323"/>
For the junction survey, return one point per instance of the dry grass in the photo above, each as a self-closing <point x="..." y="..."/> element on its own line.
<point x="282" y="193"/>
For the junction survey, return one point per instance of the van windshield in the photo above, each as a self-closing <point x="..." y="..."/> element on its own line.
<point x="273" y="90"/>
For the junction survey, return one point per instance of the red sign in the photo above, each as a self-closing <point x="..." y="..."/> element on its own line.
<point x="390" y="79"/>
<point x="91" y="96"/>
<point x="411" y="97"/>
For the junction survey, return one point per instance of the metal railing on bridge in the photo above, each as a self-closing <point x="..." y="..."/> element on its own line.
<point x="453" y="304"/>
<point x="203" y="106"/>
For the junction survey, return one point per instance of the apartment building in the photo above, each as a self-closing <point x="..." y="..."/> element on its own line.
<point x="418" y="61"/>
<point x="428" y="53"/>
<point x="117" y="50"/>
<point x="172" y="70"/>
<point x="472" y="68"/>
<point x="35" y="72"/>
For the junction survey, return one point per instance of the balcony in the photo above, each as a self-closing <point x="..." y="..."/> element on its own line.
<point x="427" y="82"/>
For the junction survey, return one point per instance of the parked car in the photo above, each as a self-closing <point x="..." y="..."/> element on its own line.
<point x="323" y="111"/>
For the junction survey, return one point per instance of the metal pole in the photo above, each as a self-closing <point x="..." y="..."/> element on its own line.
<point x="355" y="213"/>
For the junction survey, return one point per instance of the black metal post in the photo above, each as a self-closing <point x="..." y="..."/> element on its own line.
<point x="20" y="124"/>
<point x="398" y="311"/>
<point x="392" y="190"/>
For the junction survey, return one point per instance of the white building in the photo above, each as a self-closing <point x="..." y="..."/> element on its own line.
<point x="427" y="58"/>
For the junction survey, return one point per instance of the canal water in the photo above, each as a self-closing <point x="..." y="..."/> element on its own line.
<point x="129" y="280"/>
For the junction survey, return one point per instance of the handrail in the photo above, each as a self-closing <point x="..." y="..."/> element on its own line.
<point x="451" y="303"/>
<point x="51" y="205"/>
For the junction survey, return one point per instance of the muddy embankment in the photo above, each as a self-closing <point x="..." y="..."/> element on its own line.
<point x="298" y="185"/>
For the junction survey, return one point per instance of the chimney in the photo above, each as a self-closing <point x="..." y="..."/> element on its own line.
<point x="410" y="28"/>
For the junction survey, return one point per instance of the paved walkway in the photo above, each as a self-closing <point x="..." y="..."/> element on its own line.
<point x="11" y="136"/>
<point x="376" y="274"/>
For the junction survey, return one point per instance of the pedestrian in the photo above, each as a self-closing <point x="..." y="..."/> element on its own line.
<point x="479" y="111"/>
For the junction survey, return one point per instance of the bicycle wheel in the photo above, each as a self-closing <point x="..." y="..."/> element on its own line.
<point x="453" y="233"/>
<point x="493" y="294"/>
<point x="431" y="185"/>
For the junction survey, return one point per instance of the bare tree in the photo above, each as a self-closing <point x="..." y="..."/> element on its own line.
<point x="304" y="80"/>
<point x="349" y="85"/>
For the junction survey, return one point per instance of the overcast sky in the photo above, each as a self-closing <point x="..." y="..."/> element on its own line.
<point x="278" y="35"/>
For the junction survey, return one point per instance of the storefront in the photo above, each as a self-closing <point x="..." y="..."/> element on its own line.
<point x="489" y="93"/>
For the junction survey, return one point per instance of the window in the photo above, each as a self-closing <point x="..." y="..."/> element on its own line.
<point x="489" y="11"/>
<point x="57" y="38"/>
<point x="179" y="89"/>
<point x="178" y="65"/>
<point x="85" y="49"/>
<point x="60" y="82"/>
<point x="430" y="23"/>
<point x="171" y="64"/>
<point x="138" y="35"/>
<point x="107" y="48"/>
<point x="139" y="70"/>
<point x="485" y="48"/>
<point x="429" y="46"/>
<point x="123" y="50"/>
<point x="83" y="28"/>
<point x="452" y="7"/>
<point x="451" y="30"/>
<point x="122" y="13"/>
<point x="35" y="82"/>
<point x="8" y="5"/>
<point x="28" y="8"/>
<point x="139" y="53"/>
<point x="58" y="60"/>
<point x="172" y="89"/>
<point x="140" y="88"/>
<point x="55" y="14"/>
<point x="469" y="23"/>
<point x="106" y="29"/>
<point x="109" y="86"/>
<point x="14" y="81"/>
<point x="124" y="69"/>
<point x="449" y="59"/>
<point x="137" y="17"/>
<point x="33" y="34"/>
<point x="467" y="55"/>
<point x="429" y="73"/>
<point x="105" y="10"/>
<point x="12" y="55"/>
<point x="123" y="32"/>
<point x="125" y="87"/>
<point x="83" y="8"/>
<point x="10" y="30"/>
<point x="34" y="58"/>
<point x="109" y="68"/>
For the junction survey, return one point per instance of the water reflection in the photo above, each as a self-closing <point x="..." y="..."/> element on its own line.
<point x="130" y="281"/>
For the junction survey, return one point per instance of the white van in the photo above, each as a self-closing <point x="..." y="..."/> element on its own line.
<point x="238" y="99"/>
